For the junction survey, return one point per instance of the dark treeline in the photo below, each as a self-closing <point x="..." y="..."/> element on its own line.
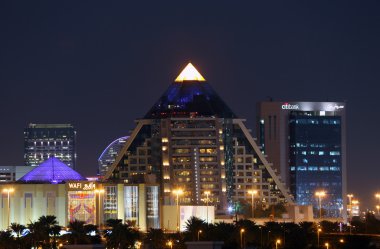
<point x="45" y="233"/>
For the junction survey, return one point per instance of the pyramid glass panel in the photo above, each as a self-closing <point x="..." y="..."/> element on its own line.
<point x="52" y="171"/>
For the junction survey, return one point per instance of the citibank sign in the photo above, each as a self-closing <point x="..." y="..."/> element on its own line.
<point x="287" y="106"/>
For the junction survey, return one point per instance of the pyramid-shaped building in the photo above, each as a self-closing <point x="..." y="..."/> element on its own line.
<point x="51" y="171"/>
<point x="191" y="140"/>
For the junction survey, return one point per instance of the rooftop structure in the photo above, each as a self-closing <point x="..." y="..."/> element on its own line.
<point x="51" y="171"/>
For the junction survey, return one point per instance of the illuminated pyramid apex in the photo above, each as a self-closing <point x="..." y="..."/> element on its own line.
<point x="190" y="73"/>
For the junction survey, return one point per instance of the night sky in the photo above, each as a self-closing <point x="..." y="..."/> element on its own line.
<point x="101" y="65"/>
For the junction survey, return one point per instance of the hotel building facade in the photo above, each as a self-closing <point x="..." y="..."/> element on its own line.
<point x="192" y="141"/>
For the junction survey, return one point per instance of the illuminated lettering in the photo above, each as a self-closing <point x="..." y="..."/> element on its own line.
<point x="287" y="106"/>
<point x="85" y="186"/>
<point x="89" y="186"/>
<point x="336" y="107"/>
<point x="75" y="185"/>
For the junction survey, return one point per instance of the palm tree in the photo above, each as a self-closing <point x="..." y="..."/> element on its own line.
<point x="18" y="229"/>
<point x="193" y="226"/>
<point x="55" y="231"/>
<point x="121" y="235"/>
<point x="47" y="222"/>
<point x="155" y="238"/>
<point x="226" y="232"/>
<point x="78" y="234"/>
<point x="89" y="229"/>
<point x="36" y="233"/>
<point x="6" y="240"/>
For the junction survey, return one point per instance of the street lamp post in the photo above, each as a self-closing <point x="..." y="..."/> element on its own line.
<point x="199" y="232"/>
<point x="318" y="231"/>
<point x="261" y="237"/>
<point x="252" y="193"/>
<point x="320" y="195"/>
<point x="378" y="208"/>
<point x="8" y="191"/>
<point x="99" y="191"/>
<point x="241" y="237"/>
<point x="177" y="192"/>
<point x="278" y="242"/>
<point x="350" y="204"/>
<point x="327" y="245"/>
<point x="207" y="193"/>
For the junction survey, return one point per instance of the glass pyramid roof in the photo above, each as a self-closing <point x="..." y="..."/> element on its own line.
<point x="52" y="171"/>
<point x="187" y="97"/>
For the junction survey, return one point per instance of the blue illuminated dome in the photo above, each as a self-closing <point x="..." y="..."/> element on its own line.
<point x="52" y="171"/>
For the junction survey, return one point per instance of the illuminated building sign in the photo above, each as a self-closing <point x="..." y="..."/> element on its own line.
<point x="312" y="106"/>
<point x="287" y="106"/>
<point x="84" y="186"/>
<point x="336" y="107"/>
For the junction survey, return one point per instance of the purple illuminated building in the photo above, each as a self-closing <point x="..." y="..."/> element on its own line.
<point x="52" y="171"/>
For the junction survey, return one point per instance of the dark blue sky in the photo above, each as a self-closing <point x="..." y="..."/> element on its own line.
<point x="100" y="65"/>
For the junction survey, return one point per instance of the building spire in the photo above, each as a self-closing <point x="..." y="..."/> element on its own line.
<point x="190" y="73"/>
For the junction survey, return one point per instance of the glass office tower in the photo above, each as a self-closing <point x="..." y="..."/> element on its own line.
<point x="41" y="141"/>
<point x="307" y="144"/>
<point x="315" y="160"/>
<point x="109" y="154"/>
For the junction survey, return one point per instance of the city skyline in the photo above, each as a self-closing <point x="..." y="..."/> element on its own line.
<point x="98" y="61"/>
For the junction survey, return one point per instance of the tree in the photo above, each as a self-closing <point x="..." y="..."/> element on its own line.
<point x="6" y="240"/>
<point x="18" y="229"/>
<point x="121" y="235"/>
<point x="77" y="233"/>
<point x="36" y="234"/>
<point x="193" y="226"/>
<point x="155" y="238"/>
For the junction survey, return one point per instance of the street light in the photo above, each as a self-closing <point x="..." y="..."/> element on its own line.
<point x="170" y="244"/>
<point x="350" y="204"/>
<point x="207" y="193"/>
<point x="178" y="192"/>
<point x="320" y="195"/>
<point x="241" y="237"/>
<point x="261" y="237"/>
<point x="278" y="242"/>
<point x="99" y="191"/>
<point x="8" y="191"/>
<point x="318" y="231"/>
<point x="378" y="208"/>
<point x="377" y="195"/>
<point x="327" y="245"/>
<point x="199" y="232"/>
<point x="252" y="193"/>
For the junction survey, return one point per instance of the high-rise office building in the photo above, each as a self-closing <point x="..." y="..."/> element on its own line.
<point x="42" y="141"/>
<point x="13" y="173"/>
<point x="109" y="154"/>
<point x="191" y="140"/>
<point x="306" y="143"/>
